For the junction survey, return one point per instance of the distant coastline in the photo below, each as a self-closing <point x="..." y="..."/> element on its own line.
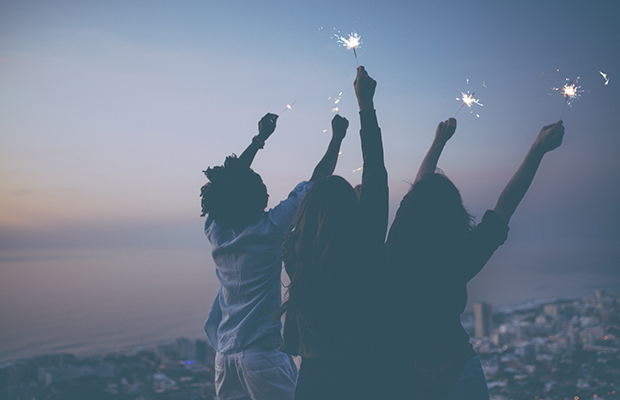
<point x="132" y="343"/>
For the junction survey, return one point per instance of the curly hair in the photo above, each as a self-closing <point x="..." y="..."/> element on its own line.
<point x="235" y="196"/>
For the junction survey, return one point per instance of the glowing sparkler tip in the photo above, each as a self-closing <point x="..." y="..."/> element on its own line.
<point x="352" y="42"/>
<point x="335" y="109"/>
<point x="571" y="90"/>
<point x="468" y="99"/>
<point x="289" y="106"/>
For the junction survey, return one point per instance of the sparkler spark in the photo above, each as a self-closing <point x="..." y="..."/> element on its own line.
<point x="571" y="91"/>
<point x="604" y="77"/>
<point x="352" y="42"/>
<point x="468" y="100"/>
<point x="336" y="101"/>
<point x="358" y="169"/>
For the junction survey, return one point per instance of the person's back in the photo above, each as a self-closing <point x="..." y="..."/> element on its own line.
<point x="334" y="258"/>
<point x="434" y="251"/>
<point x="246" y="244"/>
<point x="248" y="268"/>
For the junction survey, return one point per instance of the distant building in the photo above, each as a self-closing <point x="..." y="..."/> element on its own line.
<point x="541" y="320"/>
<point x="185" y="349"/>
<point x="204" y="352"/>
<point x="482" y="320"/>
<point x="551" y="309"/>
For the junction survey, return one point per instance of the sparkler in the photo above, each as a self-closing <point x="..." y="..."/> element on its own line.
<point x="571" y="92"/>
<point x="604" y="77"/>
<point x="468" y="100"/>
<point x="352" y="42"/>
<point x="289" y="106"/>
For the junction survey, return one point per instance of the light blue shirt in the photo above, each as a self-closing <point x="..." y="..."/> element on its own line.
<point x="249" y="268"/>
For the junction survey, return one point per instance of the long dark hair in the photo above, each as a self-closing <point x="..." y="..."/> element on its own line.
<point x="430" y="222"/>
<point x="321" y="252"/>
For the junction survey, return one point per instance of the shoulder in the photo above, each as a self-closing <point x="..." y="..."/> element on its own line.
<point x="283" y="214"/>
<point x="492" y="228"/>
<point x="301" y="189"/>
<point x="492" y="220"/>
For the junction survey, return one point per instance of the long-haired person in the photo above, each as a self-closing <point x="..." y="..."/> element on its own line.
<point x="434" y="250"/>
<point x="332" y="257"/>
<point x="246" y="242"/>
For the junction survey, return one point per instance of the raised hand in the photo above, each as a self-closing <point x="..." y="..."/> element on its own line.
<point x="339" y="127"/>
<point x="266" y="126"/>
<point x="364" y="89"/>
<point x="445" y="130"/>
<point x="550" y="137"/>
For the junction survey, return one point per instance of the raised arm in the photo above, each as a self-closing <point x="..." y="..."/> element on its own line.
<point x="444" y="132"/>
<point x="327" y="165"/>
<point x="266" y="126"/>
<point x="549" y="138"/>
<point x="374" y="189"/>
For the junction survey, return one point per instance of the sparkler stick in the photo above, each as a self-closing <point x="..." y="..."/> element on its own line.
<point x="459" y="109"/>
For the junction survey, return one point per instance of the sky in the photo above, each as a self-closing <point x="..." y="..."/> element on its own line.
<point x="110" y="111"/>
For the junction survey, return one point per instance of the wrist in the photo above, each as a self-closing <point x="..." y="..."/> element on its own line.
<point x="537" y="149"/>
<point x="366" y="105"/>
<point x="440" y="141"/>
<point x="257" y="140"/>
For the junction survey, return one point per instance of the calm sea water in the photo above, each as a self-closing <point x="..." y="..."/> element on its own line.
<point x="100" y="300"/>
<point x="92" y="301"/>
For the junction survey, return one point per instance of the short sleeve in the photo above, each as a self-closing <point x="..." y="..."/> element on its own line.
<point x="492" y="229"/>
<point x="283" y="215"/>
<point x="481" y="243"/>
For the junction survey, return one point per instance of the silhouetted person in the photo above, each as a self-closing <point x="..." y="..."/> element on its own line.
<point x="246" y="242"/>
<point x="333" y="258"/>
<point x="434" y="250"/>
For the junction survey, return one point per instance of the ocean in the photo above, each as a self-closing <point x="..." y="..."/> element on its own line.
<point x="99" y="300"/>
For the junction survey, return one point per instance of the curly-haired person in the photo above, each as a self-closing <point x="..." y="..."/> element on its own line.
<point x="246" y="242"/>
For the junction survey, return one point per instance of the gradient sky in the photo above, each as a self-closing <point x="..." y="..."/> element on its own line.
<point x="109" y="111"/>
